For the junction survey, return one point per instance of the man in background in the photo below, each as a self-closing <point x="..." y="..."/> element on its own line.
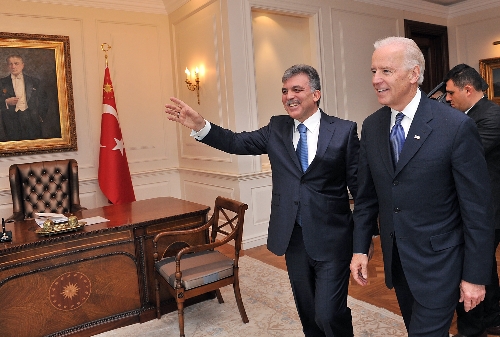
<point x="464" y="90"/>
<point x="422" y="173"/>
<point x="314" y="160"/>
<point x="22" y="102"/>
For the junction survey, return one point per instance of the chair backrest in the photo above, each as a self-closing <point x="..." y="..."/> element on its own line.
<point x="228" y="219"/>
<point x="225" y="225"/>
<point x="47" y="186"/>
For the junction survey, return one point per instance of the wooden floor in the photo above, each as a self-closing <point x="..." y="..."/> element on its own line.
<point x="375" y="292"/>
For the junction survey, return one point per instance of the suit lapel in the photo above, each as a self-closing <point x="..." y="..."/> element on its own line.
<point x="28" y="87"/>
<point x="326" y="129"/>
<point x="288" y="142"/>
<point x="418" y="133"/>
<point x="384" y="141"/>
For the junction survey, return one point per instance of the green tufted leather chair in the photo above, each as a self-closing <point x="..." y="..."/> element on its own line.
<point x="47" y="186"/>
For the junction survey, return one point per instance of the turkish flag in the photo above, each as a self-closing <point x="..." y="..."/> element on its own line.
<point x="114" y="174"/>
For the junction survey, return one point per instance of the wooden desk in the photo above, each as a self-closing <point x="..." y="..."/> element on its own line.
<point x="93" y="280"/>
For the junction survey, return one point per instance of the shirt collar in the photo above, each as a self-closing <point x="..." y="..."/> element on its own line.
<point x="467" y="111"/>
<point x="20" y="76"/>
<point x="410" y="110"/>
<point x="312" y="122"/>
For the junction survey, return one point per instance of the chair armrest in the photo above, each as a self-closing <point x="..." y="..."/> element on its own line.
<point x="17" y="216"/>
<point x="77" y="207"/>
<point x="203" y="247"/>
<point x="183" y="232"/>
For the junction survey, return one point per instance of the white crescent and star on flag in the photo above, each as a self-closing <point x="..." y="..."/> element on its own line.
<point x="108" y="109"/>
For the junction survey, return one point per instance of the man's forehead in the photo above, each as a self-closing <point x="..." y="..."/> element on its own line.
<point x="14" y="59"/>
<point x="297" y="81"/>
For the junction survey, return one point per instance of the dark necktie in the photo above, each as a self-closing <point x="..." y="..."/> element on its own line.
<point x="397" y="138"/>
<point x="302" y="147"/>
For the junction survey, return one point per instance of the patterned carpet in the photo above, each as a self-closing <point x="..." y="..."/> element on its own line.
<point x="270" y="308"/>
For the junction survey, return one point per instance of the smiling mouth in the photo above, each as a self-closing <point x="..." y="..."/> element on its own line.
<point x="382" y="90"/>
<point x="292" y="104"/>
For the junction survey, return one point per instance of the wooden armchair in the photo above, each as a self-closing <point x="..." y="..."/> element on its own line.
<point x="199" y="269"/>
<point x="46" y="186"/>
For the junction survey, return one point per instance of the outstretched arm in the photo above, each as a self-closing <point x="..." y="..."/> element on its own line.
<point x="183" y="114"/>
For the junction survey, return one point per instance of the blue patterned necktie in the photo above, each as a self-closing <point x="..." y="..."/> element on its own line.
<point x="397" y="138"/>
<point x="302" y="147"/>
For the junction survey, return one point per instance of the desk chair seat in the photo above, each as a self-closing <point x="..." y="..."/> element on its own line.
<point x="198" y="269"/>
<point x="47" y="186"/>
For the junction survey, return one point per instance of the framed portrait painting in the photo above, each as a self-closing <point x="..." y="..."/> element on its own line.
<point x="490" y="71"/>
<point x="36" y="95"/>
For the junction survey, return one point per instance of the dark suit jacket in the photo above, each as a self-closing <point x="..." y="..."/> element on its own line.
<point x="321" y="190"/>
<point x="34" y="98"/>
<point x="435" y="202"/>
<point x="486" y="114"/>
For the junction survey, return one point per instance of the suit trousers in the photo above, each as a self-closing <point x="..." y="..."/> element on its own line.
<point x="22" y="125"/>
<point x="487" y="313"/>
<point x="420" y="321"/>
<point x="320" y="291"/>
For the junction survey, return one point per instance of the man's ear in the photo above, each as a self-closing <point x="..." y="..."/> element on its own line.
<point x="468" y="89"/>
<point x="316" y="95"/>
<point x="414" y="74"/>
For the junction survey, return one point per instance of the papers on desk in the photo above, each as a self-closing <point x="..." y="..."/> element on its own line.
<point x="95" y="219"/>
<point x="55" y="217"/>
<point x="59" y="218"/>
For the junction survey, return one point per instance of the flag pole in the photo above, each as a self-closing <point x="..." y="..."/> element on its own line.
<point x="113" y="173"/>
<point x="105" y="48"/>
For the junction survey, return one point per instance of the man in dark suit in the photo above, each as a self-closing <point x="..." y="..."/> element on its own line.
<point x="464" y="89"/>
<point x="422" y="172"/>
<point x="311" y="221"/>
<point x="20" y="103"/>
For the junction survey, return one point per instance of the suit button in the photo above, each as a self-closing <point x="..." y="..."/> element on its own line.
<point x="296" y="202"/>
<point x="397" y="210"/>
<point x="395" y="182"/>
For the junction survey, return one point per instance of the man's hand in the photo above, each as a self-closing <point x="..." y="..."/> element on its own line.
<point x="359" y="268"/>
<point x="11" y="100"/>
<point x="471" y="294"/>
<point x="184" y="114"/>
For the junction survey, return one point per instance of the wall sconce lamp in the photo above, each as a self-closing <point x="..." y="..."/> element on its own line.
<point x="496" y="42"/>
<point x="193" y="86"/>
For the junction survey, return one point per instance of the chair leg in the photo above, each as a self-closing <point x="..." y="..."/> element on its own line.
<point x="239" y="301"/>
<point x="158" y="303"/>
<point x="219" y="296"/>
<point x="180" y="312"/>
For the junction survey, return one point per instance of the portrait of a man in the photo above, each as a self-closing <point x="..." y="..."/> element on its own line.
<point x="29" y="108"/>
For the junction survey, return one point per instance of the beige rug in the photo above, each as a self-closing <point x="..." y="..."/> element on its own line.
<point x="270" y="308"/>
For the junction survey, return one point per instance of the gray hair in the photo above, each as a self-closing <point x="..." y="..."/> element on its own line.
<point x="413" y="55"/>
<point x="312" y="74"/>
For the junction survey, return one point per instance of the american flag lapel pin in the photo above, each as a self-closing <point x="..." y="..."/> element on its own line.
<point x="416" y="137"/>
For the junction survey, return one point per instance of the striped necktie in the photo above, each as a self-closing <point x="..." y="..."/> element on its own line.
<point x="302" y="147"/>
<point x="397" y="138"/>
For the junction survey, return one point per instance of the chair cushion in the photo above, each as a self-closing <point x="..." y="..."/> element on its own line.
<point x="197" y="269"/>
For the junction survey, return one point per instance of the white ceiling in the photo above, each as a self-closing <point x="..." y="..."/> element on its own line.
<point x="440" y="8"/>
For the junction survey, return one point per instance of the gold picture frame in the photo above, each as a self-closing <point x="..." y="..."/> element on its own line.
<point x="47" y="63"/>
<point x="490" y="71"/>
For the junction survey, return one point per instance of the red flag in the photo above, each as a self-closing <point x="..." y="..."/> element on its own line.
<point x="114" y="174"/>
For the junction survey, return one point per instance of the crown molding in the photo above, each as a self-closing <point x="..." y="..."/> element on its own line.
<point x="142" y="6"/>
<point x="424" y="7"/>
<point x="172" y="5"/>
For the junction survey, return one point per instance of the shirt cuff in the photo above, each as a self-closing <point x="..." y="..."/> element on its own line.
<point x="203" y="131"/>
